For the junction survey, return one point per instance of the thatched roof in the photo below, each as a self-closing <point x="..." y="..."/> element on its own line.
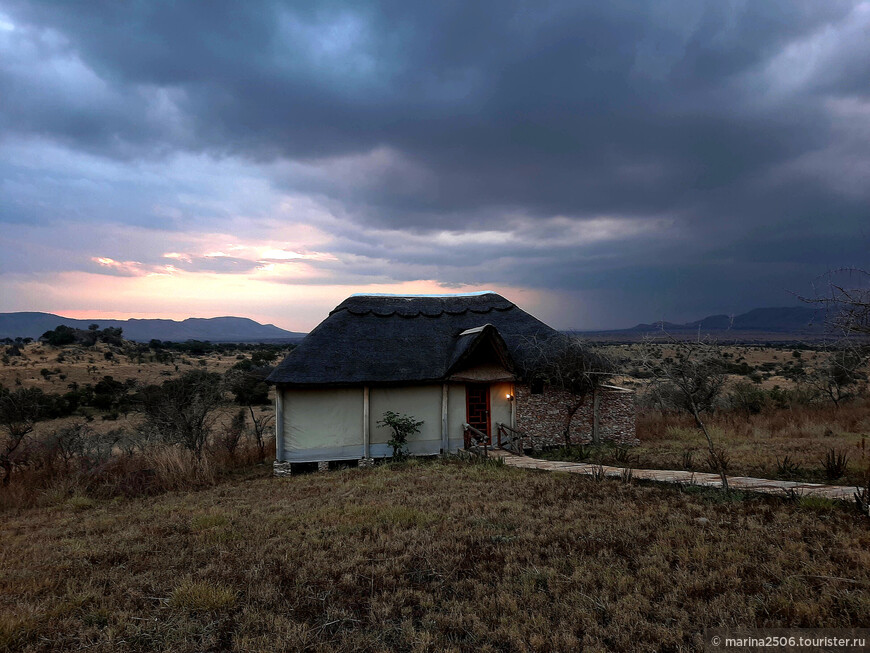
<point x="372" y="340"/>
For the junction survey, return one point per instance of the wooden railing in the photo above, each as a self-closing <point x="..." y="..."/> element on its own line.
<point x="475" y="440"/>
<point x="511" y="439"/>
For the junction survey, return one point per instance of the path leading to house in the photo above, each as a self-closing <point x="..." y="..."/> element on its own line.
<point x="678" y="476"/>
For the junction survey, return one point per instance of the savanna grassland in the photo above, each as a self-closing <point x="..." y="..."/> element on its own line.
<point x="123" y="418"/>
<point x="421" y="556"/>
<point x="57" y="370"/>
<point x="772" y="419"/>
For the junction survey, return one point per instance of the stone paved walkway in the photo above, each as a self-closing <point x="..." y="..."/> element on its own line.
<point x="676" y="476"/>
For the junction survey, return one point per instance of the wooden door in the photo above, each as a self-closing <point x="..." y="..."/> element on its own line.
<point x="477" y="408"/>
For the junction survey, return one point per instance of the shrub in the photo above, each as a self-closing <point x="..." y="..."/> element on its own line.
<point x="402" y="427"/>
<point x="20" y="409"/>
<point x="748" y="398"/>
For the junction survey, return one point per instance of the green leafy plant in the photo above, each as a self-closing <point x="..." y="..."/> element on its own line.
<point x="403" y="427"/>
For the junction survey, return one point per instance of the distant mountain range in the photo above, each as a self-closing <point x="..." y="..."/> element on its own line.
<point x="786" y="323"/>
<point x="213" y="329"/>
<point x="788" y="319"/>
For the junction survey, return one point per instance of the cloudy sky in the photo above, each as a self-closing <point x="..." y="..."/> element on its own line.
<point x="600" y="164"/>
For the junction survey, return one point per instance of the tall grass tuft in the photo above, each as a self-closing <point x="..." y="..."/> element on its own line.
<point x="787" y="467"/>
<point x="834" y="465"/>
<point x="198" y="596"/>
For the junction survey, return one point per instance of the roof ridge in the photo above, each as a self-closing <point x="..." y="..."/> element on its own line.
<point x="476" y="293"/>
<point x="428" y="306"/>
<point x="418" y="313"/>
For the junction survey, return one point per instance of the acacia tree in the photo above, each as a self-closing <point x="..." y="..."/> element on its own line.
<point x="567" y="363"/>
<point x="841" y="376"/>
<point x="247" y="382"/>
<point x="689" y="379"/>
<point x="20" y="409"/>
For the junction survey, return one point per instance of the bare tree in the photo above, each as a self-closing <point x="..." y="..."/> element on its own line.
<point x="20" y="409"/>
<point x="567" y="363"/>
<point x="69" y="441"/>
<point x="259" y="427"/>
<point x="231" y="436"/>
<point x="182" y="411"/>
<point x="846" y="303"/>
<point x="692" y="376"/>
<point x="847" y="314"/>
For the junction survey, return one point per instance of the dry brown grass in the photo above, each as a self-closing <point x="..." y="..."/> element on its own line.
<point x="157" y="469"/>
<point x="755" y="443"/>
<point x="424" y="556"/>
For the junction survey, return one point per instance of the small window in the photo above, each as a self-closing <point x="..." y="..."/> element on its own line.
<point x="537" y="387"/>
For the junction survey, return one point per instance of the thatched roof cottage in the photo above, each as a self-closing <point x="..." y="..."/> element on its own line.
<point x="450" y="361"/>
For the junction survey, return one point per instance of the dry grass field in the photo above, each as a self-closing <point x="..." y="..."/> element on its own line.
<point x="79" y="364"/>
<point x="788" y="442"/>
<point x="424" y="556"/>
<point x="757" y="445"/>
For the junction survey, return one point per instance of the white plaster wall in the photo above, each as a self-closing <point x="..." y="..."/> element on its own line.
<point x="456" y="415"/>
<point x="499" y="406"/>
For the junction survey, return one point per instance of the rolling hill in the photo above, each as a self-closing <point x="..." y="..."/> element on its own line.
<point x="214" y="329"/>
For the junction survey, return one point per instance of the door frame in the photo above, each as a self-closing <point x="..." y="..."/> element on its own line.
<point x="486" y="387"/>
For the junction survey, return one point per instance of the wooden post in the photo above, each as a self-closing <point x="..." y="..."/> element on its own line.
<point x="445" y="434"/>
<point x="279" y="424"/>
<point x="366" y="433"/>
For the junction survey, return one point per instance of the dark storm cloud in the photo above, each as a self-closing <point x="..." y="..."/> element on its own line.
<point x="737" y="131"/>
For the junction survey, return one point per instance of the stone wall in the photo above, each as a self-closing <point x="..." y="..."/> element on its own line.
<point x="542" y="416"/>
